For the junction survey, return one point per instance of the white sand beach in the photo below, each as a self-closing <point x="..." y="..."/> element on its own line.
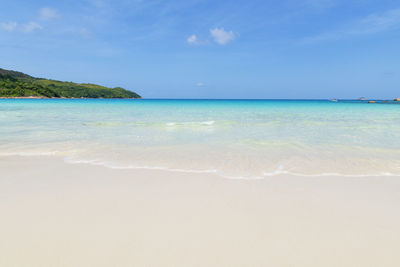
<point x="175" y="133"/>
<point x="59" y="214"/>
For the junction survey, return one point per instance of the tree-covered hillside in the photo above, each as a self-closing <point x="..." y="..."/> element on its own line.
<point x="18" y="84"/>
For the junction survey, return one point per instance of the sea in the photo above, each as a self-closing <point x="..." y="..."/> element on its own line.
<point x="237" y="139"/>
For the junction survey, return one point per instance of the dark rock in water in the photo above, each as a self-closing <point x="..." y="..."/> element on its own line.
<point x="397" y="99"/>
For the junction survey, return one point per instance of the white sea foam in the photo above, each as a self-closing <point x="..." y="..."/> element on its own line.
<point x="29" y="154"/>
<point x="73" y="159"/>
<point x="278" y="172"/>
<point x="188" y="124"/>
<point x="207" y="122"/>
<point x="87" y="157"/>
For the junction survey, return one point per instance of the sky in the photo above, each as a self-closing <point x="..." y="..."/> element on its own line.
<point x="310" y="49"/>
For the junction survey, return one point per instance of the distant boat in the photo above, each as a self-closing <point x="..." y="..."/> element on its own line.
<point x="333" y="100"/>
<point x="362" y="98"/>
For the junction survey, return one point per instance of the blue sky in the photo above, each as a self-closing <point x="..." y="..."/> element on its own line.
<point x="209" y="49"/>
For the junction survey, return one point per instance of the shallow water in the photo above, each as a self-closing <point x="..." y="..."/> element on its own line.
<point x="234" y="138"/>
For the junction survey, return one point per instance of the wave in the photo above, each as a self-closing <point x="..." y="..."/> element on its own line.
<point x="110" y="124"/>
<point x="29" y="154"/>
<point x="278" y="172"/>
<point x="206" y="123"/>
<point x="70" y="157"/>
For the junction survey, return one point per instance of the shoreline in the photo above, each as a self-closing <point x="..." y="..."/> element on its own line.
<point x="25" y="97"/>
<point x="279" y="172"/>
<point x="56" y="213"/>
<point x="42" y="97"/>
<point x="375" y="101"/>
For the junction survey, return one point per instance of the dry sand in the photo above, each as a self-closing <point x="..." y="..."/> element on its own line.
<point x="58" y="214"/>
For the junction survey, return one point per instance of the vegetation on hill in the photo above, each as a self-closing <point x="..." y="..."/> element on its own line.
<point x="18" y="84"/>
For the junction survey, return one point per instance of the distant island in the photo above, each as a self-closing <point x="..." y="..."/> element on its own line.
<point x="14" y="84"/>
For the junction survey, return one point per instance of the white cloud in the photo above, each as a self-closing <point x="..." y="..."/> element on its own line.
<point x="378" y="22"/>
<point x="221" y="36"/>
<point x="48" y="13"/>
<point x="26" y="28"/>
<point x="200" y="84"/>
<point x="371" y="24"/>
<point x="31" y="27"/>
<point x="45" y="13"/>
<point x="8" y="26"/>
<point x="192" y="39"/>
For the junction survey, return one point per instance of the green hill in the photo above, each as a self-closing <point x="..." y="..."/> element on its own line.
<point x="18" y="84"/>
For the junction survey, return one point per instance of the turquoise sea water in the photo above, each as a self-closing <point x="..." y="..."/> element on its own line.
<point x="234" y="138"/>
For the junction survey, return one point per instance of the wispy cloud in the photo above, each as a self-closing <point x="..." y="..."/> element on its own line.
<point x="200" y="84"/>
<point x="86" y="33"/>
<point x="376" y="23"/>
<point x="221" y="36"/>
<point x="45" y="13"/>
<point x="31" y="27"/>
<point x="28" y="27"/>
<point x="8" y="26"/>
<point x="371" y="24"/>
<point x="218" y="35"/>
<point x="196" y="41"/>
<point x="48" y="13"/>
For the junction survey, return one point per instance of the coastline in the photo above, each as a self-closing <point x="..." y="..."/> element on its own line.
<point x="375" y="101"/>
<point x="56" y="213"/>
<point x="43" y="97"/>
<point x="26" y="97"/>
